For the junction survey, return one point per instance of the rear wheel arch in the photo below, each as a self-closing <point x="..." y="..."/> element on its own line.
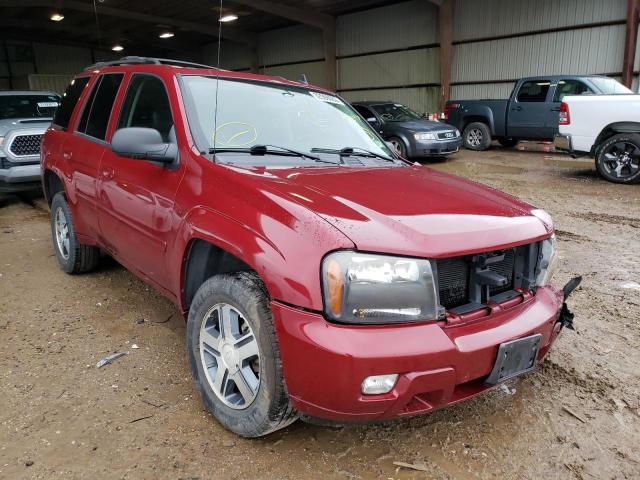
<point x="614" y="129"/>
<point x="476" y="118"/>
<point x="52" y="185"/>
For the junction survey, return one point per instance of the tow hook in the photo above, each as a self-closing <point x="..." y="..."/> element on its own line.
<point x="566" y="316"/>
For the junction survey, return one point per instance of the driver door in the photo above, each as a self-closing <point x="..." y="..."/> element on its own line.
<point x="136" y="205"/>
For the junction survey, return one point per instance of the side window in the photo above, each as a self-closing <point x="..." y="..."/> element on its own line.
<point x="69" y="101"/>
<point x="534" y="91"/>
<point x="147" y="105"/>
<point x="97" y="110"/>
<point x="364" y="111"/>
<point x="570" y="87"/>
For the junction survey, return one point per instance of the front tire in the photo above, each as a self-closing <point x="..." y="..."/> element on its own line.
<point x="476" y="136"/>
<point x="618" y="158"/>
<point x="73" y="257"/>
<point x="234" y="355"/>
<point x="400" y="147"/>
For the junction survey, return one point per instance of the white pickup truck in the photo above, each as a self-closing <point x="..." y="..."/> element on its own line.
<point x="607" y="127"/>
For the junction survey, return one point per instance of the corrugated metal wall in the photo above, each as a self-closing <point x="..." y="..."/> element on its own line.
<point x="42" y="66"/>
<point x="480" y="60"/>
<point x="476" y="19"/>
<point x="396" y="26"/>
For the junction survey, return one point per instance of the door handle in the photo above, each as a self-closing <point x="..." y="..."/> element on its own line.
<point x="107" y="173"/>
<point x="67" y="155"/>
<point x="516" y="109"/>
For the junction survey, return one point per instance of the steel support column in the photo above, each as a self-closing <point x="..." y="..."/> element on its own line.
<point x="445" y="29"/>
<point x="630" y="41"/>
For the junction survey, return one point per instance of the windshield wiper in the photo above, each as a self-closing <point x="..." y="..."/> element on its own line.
<point x="267" y="149"/>
<point x="354" y="151"/>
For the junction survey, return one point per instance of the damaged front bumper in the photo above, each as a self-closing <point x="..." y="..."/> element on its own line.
<point x="566" y="316"/>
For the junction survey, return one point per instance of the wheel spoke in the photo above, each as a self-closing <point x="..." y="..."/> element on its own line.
<point x="226" y="322"/>
<point x="247" y="347"/>
<point x="221" y="378"/>
<point x="618" y="169"/>
<point x="243" y="386"/>
<point x="211" y="342"/>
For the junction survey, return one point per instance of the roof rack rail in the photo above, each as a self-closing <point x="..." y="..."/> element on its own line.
<point x="135" y="60"/>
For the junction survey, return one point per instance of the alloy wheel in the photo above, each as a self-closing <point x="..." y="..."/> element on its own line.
<point x="230" y="356"/>
<point x="621" y="160"/>
<point x="396" y="146"/>
<point x="475" y="137"/>
<point x="62" y="233"/>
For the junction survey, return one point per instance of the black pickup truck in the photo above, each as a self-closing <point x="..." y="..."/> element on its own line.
<point x="530" y="113"/>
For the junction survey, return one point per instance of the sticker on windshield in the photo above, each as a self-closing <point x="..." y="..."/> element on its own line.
<point x="48" y="104"/>
<point x="325" y="97"/>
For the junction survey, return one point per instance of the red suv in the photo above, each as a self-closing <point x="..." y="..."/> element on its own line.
<point x="320" y="275"/>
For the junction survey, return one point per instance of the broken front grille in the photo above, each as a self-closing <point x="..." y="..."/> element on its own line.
<point x="26" y="145"/>
<point x="470" y="281"/>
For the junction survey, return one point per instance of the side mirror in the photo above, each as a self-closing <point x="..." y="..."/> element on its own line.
<point x="143" y="144"/>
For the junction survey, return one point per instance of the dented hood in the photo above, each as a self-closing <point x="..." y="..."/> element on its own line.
<point x="413" y="211"/>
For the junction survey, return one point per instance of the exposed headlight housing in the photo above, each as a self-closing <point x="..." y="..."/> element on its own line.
<point x="547" y="261"/>
<point x="377" y="289"/>
<point x="424" y="136"/>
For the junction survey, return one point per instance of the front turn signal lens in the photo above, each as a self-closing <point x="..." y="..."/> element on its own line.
<point x="335" y="281"/>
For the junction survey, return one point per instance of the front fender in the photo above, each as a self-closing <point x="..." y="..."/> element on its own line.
<point x="284" y="250"/>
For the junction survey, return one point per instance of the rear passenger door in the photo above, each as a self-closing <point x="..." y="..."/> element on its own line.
<point x="136" y="207"/>
<point x="528" y="110"/>
<point x="83" y="150"/>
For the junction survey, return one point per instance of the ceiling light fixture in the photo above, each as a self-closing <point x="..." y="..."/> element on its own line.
<point x="166" y="35"/>
<point x="229" y="17"/>
<point x="56" y="17"/>
<point x="117" y="48"/>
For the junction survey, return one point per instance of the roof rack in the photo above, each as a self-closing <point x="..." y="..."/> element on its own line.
<point x="134" y="60"/>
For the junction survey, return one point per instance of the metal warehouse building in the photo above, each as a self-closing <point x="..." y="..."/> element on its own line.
<point x="391" y="51"/>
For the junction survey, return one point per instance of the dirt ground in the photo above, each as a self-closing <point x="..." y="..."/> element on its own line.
<point x="577" y="416"/>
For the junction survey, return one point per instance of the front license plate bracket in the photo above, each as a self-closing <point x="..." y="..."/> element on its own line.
<point x="515" y="358"/>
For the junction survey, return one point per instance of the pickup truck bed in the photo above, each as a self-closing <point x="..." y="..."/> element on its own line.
<point x="607" y="127"/>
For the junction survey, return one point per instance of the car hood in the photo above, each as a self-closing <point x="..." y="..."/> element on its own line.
<point x="9" y="124"/>
<point x="423" y="125"/>
<point x="408" y="211"/>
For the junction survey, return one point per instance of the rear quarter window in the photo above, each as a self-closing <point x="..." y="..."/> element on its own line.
<point x="69" y="102"/>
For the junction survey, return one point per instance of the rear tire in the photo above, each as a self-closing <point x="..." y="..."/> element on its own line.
<point x="508" y="142"/>
<point x="73" y="257"/>
<point x="618" y="158"/>
<point x="476" y="136"/>
<point x="244" y="391"/>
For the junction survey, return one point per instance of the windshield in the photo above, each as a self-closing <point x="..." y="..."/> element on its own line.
<point x="395" y="112"/>
<point x="256" y="113"/>
<point x="28" y="106"/>
<point x="609" y="86"/>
